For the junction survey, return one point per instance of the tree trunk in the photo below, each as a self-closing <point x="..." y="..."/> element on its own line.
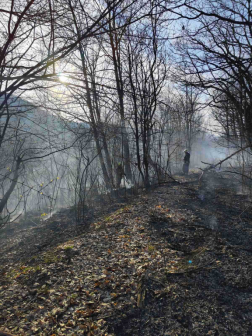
<point x="4" y="200"/>
<point x="115" y="45"/>
<point x="102" y="133"/>
<point x="91" y="110"/>
<point x="93" y="123"/>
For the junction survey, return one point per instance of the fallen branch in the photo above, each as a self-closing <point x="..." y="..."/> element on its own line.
<point x="211" y="166"/>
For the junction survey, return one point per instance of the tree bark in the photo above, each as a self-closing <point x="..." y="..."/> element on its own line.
<point x="4" y="200"/>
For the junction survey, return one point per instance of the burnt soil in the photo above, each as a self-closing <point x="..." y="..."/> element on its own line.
<point x="174" y="260"/>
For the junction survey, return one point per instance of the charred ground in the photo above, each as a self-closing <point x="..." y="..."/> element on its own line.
<point x="173" y="261"/>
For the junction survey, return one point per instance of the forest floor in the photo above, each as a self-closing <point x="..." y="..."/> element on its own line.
<point x="176" y="260"/>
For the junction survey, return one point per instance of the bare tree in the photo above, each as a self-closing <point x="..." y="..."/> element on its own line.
<point x="33" y="46"/>
<point x="146" y="72"/>
<point x="217" y="51"/>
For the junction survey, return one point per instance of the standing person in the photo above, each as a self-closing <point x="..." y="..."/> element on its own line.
<point x="186" y="162"/>
<point x="119" y="174"/>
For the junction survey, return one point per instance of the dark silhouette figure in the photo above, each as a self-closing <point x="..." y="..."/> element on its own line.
<point x="119" y="174"/>
<point x="186" y="162"/>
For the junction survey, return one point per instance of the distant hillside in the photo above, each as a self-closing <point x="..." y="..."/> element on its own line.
<point x="28" y="117"/>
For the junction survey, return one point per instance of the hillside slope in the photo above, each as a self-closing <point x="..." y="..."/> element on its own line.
<point x="175" y="261"/>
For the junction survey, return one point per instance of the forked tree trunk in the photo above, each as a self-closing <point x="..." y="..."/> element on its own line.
<point x="115" y="46"/>
<point x="107" y="180"/>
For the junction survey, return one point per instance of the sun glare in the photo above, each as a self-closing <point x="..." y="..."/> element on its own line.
<point x="63" y="78"/>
